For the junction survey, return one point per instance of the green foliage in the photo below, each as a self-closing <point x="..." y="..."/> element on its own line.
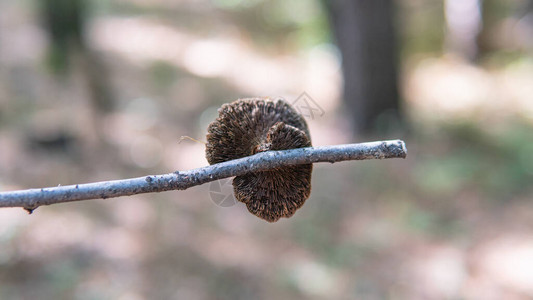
<point x="278" y="24"/>
<point x="497" y="163"/>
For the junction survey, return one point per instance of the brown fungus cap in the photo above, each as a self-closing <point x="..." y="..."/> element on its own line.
<point x="248" y="126"/>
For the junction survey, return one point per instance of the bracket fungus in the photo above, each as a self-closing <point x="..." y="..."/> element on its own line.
<point x="249" y="126"/>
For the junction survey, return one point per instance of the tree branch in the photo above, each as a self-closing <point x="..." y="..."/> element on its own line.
<point x="181" y="180"/>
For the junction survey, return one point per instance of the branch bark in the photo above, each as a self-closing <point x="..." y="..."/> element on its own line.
<point x="181" y="180"/>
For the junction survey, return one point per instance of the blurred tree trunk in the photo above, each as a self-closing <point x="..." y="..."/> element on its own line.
<point x="366" y="38"/>
<point x="71" y="58"/>
<point x="65" y="22"/>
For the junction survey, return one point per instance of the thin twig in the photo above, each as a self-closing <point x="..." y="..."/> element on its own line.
<point x="181" y="180"/>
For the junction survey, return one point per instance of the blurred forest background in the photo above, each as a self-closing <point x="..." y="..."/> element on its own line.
<point x="101" y="90"/>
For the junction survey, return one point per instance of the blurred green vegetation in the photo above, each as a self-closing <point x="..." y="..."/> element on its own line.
<point x="493" y="161"/>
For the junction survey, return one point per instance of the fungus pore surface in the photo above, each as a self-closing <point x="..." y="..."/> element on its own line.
<point x="249" y="126"/>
